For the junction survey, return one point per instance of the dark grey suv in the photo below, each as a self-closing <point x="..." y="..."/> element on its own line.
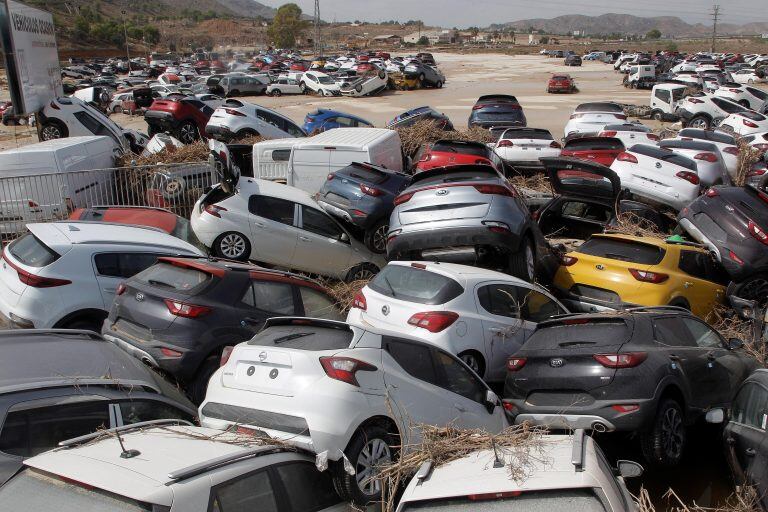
<point x="653" y="371"/>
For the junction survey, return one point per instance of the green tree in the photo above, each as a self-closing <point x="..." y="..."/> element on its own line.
<point x="423" y="41"/>
<point x="287" y="26"/>
<point x="653" y="34"/>
<point x="672" y="47"/>
<point x="151" y="34"/>
<point x="82" y="27"/>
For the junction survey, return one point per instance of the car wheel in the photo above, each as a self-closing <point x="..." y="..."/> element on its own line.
<point x="361" y="272"/>
<point x="522" y="264"/>
<point x="755" y="288"/>
<point x="657" y="115"/>
<point x="188" y="132"/>
<point x="233" y="93"/>
<point x="750" y="81"/>
<point x="474" y="361"/>
<point x="197" y="388"/>
<point x="700" y="122"/>
<point x="744" y="103"/>
<point x="242" y="134"/>
<point x="85" y="324"/>
<point x="376" y="238"/>
<point x="382" y="74"/>
<point x="232" y="246"/>
<point x="276" y="92"/>
<point x="439" y="84"/>
<point x="421" y="77"/>
<point x="116" y="109"/>
<point x="370" y="448"/>
<point x="303" y="88"/>
<point x="664" y="443"/>
<point x="53" y="129"/>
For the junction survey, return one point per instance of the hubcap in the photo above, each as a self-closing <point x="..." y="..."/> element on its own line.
<point x="380" y="238"/>
<point x="672" y="433"/>
<point x="362" y="274"/>
<point x="472" y="362"/>
<point x="51" y="132"/>
<point x="373" y="455"/>
<point x="187" y="133"/>
<point x="698" y="123"/>
<point x="232" y="246"/>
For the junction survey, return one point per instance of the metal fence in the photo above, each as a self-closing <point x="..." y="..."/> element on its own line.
<point x="53" y="196"/>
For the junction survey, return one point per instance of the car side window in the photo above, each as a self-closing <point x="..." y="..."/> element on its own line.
<point x="271" y="297"/>
<point x="272" y="208"/>
<point x="517" y="302"/>
<point x="750" y="407"/>
<point x="537" y="307"/>
<point x="316" y="487"/>
<point x="703" y="335"/>
<point x="317" y="222"/>
<point x="135" y="411"/>
<point x="663" y="95"/>
<point x="123" y="264"/>
<point x="94" y="126"/>
<point x="318" y="305"/>
<point x="343" y="121"/>
<point x="293" y="130"/>
<point x="245" y="494"/>
<point x="672" y="331"/>
<point x="458" y="379"/>
<point x="414" y="358"/>
<point x="693" y="263"/>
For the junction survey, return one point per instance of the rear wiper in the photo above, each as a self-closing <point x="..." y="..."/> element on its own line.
<point x="389" y="285"/>
<point x="575" y="343"/>
<point x="616" y="256"/>
<point x="160" y="283"/>
<point x="289" y="337"/>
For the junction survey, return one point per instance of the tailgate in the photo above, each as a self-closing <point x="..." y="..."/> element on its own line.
<point x="272" y="371"/>
<point x="445" y="203"/>
<point x="398" y="312"/>
<point x="143" y="307"/>
<point x="600" y="156"/>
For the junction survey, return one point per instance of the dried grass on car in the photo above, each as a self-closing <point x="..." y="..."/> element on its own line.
<point x="744" y="499"/>
<point x="412" y="137"/>
<point x="537" y="182"/>
<point x="343" y="293"/>
<point x="195" y="152"/>
<point x="628" y="223"/>
<point x="725" y="321"/>
<point x="748" y="156"/>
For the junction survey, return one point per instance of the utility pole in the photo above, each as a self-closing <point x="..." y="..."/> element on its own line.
<point x="715" y="17"/>
<point x="125" y="31"/>
<point x="318" y="43"/>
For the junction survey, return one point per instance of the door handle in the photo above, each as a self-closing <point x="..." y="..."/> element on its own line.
<point x="750" y="452"/>
<point x="304" y="238"/>
<point x="260" y="224"/>
<point x="460" y="407"/>
<point x="673" y="357"/>
<point x="687" y="284"/>
<point x="730" y="440"/>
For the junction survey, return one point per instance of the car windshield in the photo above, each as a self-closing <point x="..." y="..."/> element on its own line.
<point x="464" y="149"/>
<point x="571" y="500"/>
<point x="41" y="492"/>
<point x="415" y="285"/>
<point x="621" y="249"/>
<point x="325" y="80"/>
<point x="527" y="134"/>
<point x="304" y="337"/>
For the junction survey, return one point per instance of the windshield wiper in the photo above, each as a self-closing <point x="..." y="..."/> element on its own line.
<point x="389" y="285"/>
<point x="289" y="337"/>
<point x="160" y="283"/>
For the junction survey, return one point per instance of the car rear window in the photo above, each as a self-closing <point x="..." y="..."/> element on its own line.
<point x="753" y="116"/>
<point x="596" y="143"/>
<point x="464" y="149"/>
<point x="570" y="500"/>
<point x="173" y="277"/>
<point x="666" y="155"/>
<point x="600" y="107"/>
<point x="479" y="172"/>
<point x="415" y="285"/>
<point x="526" y="134"/>
<point x="756" y="204"/>
<point x="364" y="173"/>
<point x="620" y="249"/>
<point x="714" y="136"/>
<point x="757" y="93"/>
<point x="304" y="337"/>
<point x="575" y="332"/>
<point x="30" y="251"/>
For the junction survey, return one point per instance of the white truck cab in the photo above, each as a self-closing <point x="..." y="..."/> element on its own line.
<point x="664" y="100"/>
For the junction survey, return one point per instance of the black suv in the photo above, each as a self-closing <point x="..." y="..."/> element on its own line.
<point x="652" y="371"/>
<point x="497" y="110"/>
<point x="180" y="314"/>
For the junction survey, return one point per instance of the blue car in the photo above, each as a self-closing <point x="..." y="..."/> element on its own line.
<point x="323" y="119"/>
<point x="413" y="116"/>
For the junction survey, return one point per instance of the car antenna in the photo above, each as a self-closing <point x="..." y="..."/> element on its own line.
<point x="126" y="454"/>
<point x="497" y="463"/>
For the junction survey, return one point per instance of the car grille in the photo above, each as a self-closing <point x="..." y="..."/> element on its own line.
<point x="560" y="399"/>
<point x="257" y="418"/>
<point x="592" y="292"/>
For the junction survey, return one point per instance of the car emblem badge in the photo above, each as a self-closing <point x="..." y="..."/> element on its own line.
<point x="273" y="373"/>
<point x="599" y="266"/>
<point x="385" y="310"/>
<point x="442" y="192"/>
<point x="139" y="296"/>
<point x="251" y="370"/>
<point x="262" y="356"/>
<point x="658" y="165"/>
<point x="556" y="362"/>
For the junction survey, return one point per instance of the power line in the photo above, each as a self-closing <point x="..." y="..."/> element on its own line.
<point x="715" y="17"/>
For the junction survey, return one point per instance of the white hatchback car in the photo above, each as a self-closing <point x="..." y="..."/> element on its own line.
<point x="521" y="148"/>
<point x="726" y="142"/>
<point x="745" y="123"/>
<point x="165" y="466"/>
<point x="591" y="118"/>
<point x="479" y="315"/>
<point x="352" y="396"/>
<point x="282" y="226"/>
<point x="658" y="175"/>
<point x="564" y="474"/>
<point x="65" y="274"/>
<point x="236" y="119"/>
<point x="319" y="83"/>
<point x="284" y="85"/>
<point x="710" y="165"/>
<point x="746" y="96"/>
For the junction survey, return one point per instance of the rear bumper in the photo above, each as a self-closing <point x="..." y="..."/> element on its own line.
<point x="163" y="121"/>
<point x="219" y="132"/>
<point x="457" y="239"/>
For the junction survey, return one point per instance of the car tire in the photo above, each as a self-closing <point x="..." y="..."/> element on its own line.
<point x="474" y="360"/>
<point x="382" y="74"/>
<point x="421" y="78"/>
<point x="663" y="444"/>
<point x="242" y="134"/>
<point x="361" y="272"/>
<point x="522" y="263"/>
<point x="375" y="238"/>
<point x="199" y="384"/>
<point x="276" y="93"/>
<point x="439" y="84"/>
<point x="232" y="246"/>
<point x="303" y="87"/>
<point x="657" y="115"/>
<point x="91" y="323"/>
<point x="232" y="94"/>
<point x="753" y="288"/>
<point x="372" y="442"/>
<point x="187" y="132"/>
<point x="699" y="122"/>
<point x="117" y="109"/>
<point x="53" y="129"/>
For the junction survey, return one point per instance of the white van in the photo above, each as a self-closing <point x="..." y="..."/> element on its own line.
<point x="664" y="100"/>
<point x="271" y="157"/>
<point x="313" y="158"/>
<point x="40" y="182"/>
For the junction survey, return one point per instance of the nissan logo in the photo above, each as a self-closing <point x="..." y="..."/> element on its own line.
<point x="658" y="165"/>
<point x="442" y="192"/>
<point x="385" y="310"/>
<point x="556" y="362"/>
<point x="262" y="356"/>
<point x="251" y="370"/>
<point x="139" y="296"/>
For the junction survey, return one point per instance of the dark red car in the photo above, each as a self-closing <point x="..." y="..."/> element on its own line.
<point x="445" y="153"/>
<point x="601" y="150"/>
<point x="184" y="118"/>
<point x="561" y="83"/>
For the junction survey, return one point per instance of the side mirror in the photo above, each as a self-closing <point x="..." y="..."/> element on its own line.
<point x="744" y="308"/>
<point x="715" y="416"/>
<point x="629" y="469"/>
<point x="735" y="343"/>
<point x="491" y="401"/>
<point x="344" y="238"/>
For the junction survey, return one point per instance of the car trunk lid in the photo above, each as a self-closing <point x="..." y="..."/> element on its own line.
<point x="573" y="177"/>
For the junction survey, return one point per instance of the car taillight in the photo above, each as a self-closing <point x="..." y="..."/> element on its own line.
<point x="477" y="107"/>
<point x="329" y="177"/>
<point x="707" y="157"/>
<point x="169" y="352"/>
<point x="433" y="321"/>
<point x="757" y="233"/>
<point x="234" y="112"/>
<point x="555" y="145"/>
<point x="749" y="123"/>
<point x="497" y="227"/>
<point x="624" y="408"/>
<point x="403" y="198"/>
<point x="515" y="363"/>
<point x="608" y="134"/>
<point x="576" y="116"/>
<point x="55" y="106"/>
<point x="712" y="192"/>
<point x="735" y="90"/>
<point x="498" y="190"/>
<point x="504" y="144"/>
<point x="120" y="289"/>
<point x="35" y="281"/>
<point x="689" y="176"/>
<point x="755" y="172"/>
<point x="625" y="360"/>
<point x="733" y="150"/>
<point x="620" y="116"/>
<point x="733" y="256"/>
<point x="345" y="368"/>
<point x="653" y="137"/>
<point x="214" y="210"/>
<point x="647" y="276"/>
<point x="694" y="100"/>
<point x="185" y="310"/>
<point x="567" y="261"/>
<point x="359" y="301"/>
<point x="225" y="355"/>
<point x="759" y="147"/>
<point x="626" y="157"/>
<point x="371" y="191"/>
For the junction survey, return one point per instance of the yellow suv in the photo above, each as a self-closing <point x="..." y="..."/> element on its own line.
<point x="613" y="271"/>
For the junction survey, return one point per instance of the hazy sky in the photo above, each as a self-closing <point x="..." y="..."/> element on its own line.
<point x="464" y="13"/>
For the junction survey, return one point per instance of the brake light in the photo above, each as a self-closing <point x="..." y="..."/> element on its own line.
<point x="694" y="100"/>
<point x="627" y="157"/>
<point x="433" y="321"/>
<point x="403" y="198"/>
<point x="330" y="176"/>
<point x="735" y="90"/>
<point x="625" y="360"/>
<point x="359" y="301"/>
<point x="497" y="227"/>
<point x="647" y="276"/>
<point x="755" y="172"/>
<point x="345" y="368"/>
<point x="622" y="408"/>
<point x="120" y="289"/>
<point x="555" y="145"/>
<point x="576" y="116"/>
<point x="567" y="261"/>
<point x="515" y="363"/>
<point x="707" y="157"/>
<point x="35" y="281"/>
<point x="653" y="137"/>
<point x="749" y="124"/>
<point x="620" y="116"/>
<point x="608" y="134"/>
<point x="712" y="192"/>
<point x="225" y="353"/>
<point x="371" y="191"/>
<point x="214" y="210"/>
<point x="732" y="255"/>
<point x="168" y="352"/>
<point x="505" y="144"/>
<point x="498" y="190"/>
<point x="689" y="176"/>
<point x="494" y="495"/>
<point x="757" y="232"/>
<point x="234" y="112"/>
<point x="477" y="107"/>
<point x="733" y="150"/>
<point x="185" y="310"/>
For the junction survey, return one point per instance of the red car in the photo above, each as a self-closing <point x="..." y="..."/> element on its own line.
<point x="561" y="83"/>
<point x="445" y="153"/>
<point x="601" y="150"/>
<point x="184" y="118"/>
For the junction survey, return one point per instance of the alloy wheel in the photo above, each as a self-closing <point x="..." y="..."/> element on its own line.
<point x="232" y="246"/>
<point x="380" y="238"/>
<point x="51" y="132"/>
<point x="698" y="123"/>
<point x="756" y="289"/>
<point x="363" y="274"/>
<point x="374" y="454"/>
<point x="188" y="133"/>
<point x="472" y="362"/>
<point x="530" y="262"/>
<point x="672" y="433"/>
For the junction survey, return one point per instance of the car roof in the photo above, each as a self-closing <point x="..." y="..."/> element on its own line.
<point x="463" y="273"/>
<point x="347" y="137"/>
<point x="141" y="216"/>
<point x="36" y="359"/>
<point x="269" y="188"/>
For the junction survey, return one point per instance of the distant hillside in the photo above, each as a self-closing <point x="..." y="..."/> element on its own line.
<point x="628" y="24"/>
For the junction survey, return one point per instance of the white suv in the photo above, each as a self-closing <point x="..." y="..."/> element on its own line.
<point x="706" y="111"/>
<point x="345" y="393"/>
<point x="236" y="119"/>
<point x="65" y="274"/>
<point x="319" y="83"/>
<point x="479" y="315"/>
<point x="564" y="474"/>
<point x="163" y="466"/>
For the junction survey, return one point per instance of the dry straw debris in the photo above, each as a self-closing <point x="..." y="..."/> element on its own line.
<point x="412" y="137"/>
<point x="744" y="499"/>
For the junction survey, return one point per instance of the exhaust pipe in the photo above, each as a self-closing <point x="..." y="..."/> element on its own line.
<point x="599" y="427"/>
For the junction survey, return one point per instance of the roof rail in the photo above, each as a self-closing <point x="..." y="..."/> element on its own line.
<point x="577" y="455"/>
<point x="224" y="460"/>
<point x="100" y="223"/>
<point x="69" y="443"/>
<point x="657" y="308"/>
<point x="19" y="332"/>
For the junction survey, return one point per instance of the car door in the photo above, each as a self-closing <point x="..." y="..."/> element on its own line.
<point x="112" y="268"/>
<point x="292" y="86"/>
<point x="316" y="488"/>
<point x="244" y="493"/>
<point x="701" y="293"/>
<point x="323" y="247"/>
<point x="273" y="233"/>
<point x="745" y="436"/>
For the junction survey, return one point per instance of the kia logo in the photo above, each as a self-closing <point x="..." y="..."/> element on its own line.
<point x="251" y="370"/>
<point x="262" y="356"/>
<point x="556" y="362"/>
<point x="599" y="267"/>
<point x="139" y="296"/>
<point x="442" y="192"/>
<point x="385" y="310"/>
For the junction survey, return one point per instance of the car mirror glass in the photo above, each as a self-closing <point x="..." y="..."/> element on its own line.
<point x="491" y="398"/>
<point x="715" y="416"/>
<point x="735" y="343"/>
<point x="629" y="469"/>
<point x="344" y="238"/>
